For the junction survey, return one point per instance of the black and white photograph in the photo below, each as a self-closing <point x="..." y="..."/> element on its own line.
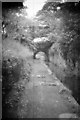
<point x="40" y="59"/>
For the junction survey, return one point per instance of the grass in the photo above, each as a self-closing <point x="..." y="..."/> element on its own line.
<point x="16" y="70"/>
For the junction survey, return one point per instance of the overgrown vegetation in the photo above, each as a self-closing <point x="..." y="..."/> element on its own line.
<point x="64" y="25"/>
<point x="59" y="22"/>
<point x="16" y="70"/>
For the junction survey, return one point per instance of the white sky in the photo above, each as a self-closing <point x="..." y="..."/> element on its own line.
<point x="33" y="6"/>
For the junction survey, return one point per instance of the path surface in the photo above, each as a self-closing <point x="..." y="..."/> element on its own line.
<point x="43" y="96"/>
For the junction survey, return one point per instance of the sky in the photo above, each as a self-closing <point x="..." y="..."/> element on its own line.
<point x="33" y="6"/>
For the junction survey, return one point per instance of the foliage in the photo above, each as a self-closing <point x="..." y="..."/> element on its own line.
<point x="64" y="25"/>
<point x="16" y="70"/>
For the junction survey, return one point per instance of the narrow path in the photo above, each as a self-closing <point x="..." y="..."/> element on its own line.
<point x="43" y="99"/>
